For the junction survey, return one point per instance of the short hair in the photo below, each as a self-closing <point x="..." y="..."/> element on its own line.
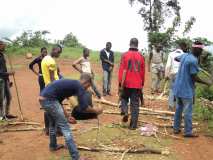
<point x="109" y="43"/>
<point x="85" y="50"/>
<point x="43" y="48"/>
<point x="86" y="77"/>
<point x="134" y="42"/>
<point x="57" y="46"/>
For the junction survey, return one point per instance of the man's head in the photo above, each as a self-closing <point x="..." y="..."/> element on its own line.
<point x="108" y="46"/>
<point x="134" y="43"/>
<point x="43" y="51"/>
<point x="158" y="47"/>
<point x="86" y="52"/>
<point x="56" y="51"/>
<point x="197" y="48"/>
<point x="183" y="46"/>
<point x="86" y="80"/>
<point x="2" y="46"/>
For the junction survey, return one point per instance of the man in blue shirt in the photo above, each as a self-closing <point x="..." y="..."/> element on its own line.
<point x="50" y="100"/>
<point x="184" y="88"/>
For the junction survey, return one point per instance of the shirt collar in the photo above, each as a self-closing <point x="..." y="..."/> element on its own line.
<point x="133" y="49"/>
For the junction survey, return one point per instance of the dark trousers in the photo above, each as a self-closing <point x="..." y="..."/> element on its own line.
<point x="41" y="83"/>
<point x="82" y="115"/>
<point x="133" y="95"/>
<point x="5" y="97"/>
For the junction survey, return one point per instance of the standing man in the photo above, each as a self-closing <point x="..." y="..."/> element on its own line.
<point x="184" y="88"/>
<point x="51" y="98"/>
<point x="107" y="59"/>
<point x="49" y="67"/>
<point x="131" y="81"/>
<point x="50" y="70"/>
<point x="5" y="84"/>
<point x="171" y="70"/>
<point x="155" y="65"/>
<point x="39" y="72"/>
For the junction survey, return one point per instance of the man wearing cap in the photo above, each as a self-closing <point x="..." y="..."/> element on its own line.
<point x="5" y="84"/>
<point x="131" y="81"/>
<point x="184" y="88"/>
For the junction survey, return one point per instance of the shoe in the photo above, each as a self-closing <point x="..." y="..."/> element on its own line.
<point x="191" y="135"/>
<point x="59" y="146"/>
<point x="125" y="118"/>
<point x="104" y="94"/>
<point x="10" y="116"/>
<point x="176" y="131"/>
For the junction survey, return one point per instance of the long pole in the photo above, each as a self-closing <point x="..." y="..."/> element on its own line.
<point x="16" y="88"/>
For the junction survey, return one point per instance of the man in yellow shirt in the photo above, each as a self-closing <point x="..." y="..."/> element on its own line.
<point x="49" y="70"/>
<point x="49" y="67"/>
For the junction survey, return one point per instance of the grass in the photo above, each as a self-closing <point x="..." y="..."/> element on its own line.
<point x="118" y="137"/>
<point x="72" y="53"/>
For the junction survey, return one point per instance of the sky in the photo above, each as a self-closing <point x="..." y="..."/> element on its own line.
<point x="94" y="22"/>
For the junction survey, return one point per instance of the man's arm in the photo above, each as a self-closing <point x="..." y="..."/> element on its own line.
<point x="197" y="79"/>
<point x="31" y="66"/>
<point x="149" y="61"/>
<point x="105" y="60"/>
<point x="76" y="65"/>
<point x="168" y="66"/>
<point x="52" y="76"/>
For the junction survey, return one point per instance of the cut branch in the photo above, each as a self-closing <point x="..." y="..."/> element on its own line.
<point x="116" y="150"/>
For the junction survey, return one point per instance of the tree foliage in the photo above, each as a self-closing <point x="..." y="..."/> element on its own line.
<point x="71" y="40"/>
<point x="32" y="39"/>
<point x="188" y="25"/>
<point x="155" y="12"/>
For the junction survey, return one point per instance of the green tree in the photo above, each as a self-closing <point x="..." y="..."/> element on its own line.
<point x="155" y="12"/>
<point x="71" y="40"/>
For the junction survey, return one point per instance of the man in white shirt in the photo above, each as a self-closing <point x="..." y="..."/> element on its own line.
<point x="171" y="70"/>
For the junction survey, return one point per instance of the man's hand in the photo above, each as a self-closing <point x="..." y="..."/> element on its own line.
<point x="71" y="120"/>
<point x="99" y="110"/>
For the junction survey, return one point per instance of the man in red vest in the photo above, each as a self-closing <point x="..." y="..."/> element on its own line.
<point x="131" y="81"/>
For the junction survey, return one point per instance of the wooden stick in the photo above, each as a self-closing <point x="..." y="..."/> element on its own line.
<point x="106" y="102"/>
<point x="167" y="125"/>
<point x="118" y="150"/>
<point x="172" y="136"/>
<point x="123" y="155"/>
<point x="20" y="123"/>
<point x="141" y="108"/>
<point x="20" y="129"/>
<point x="16" y="88"/>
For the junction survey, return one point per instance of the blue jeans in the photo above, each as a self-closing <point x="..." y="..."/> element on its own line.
<point x="171" y="94"/>
<point x="107" y="81"/>
<point x="56" y="117"/>
<point x="184" y="106"/>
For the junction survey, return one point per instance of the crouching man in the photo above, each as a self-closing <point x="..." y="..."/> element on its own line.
<point x="50" y="100"/>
